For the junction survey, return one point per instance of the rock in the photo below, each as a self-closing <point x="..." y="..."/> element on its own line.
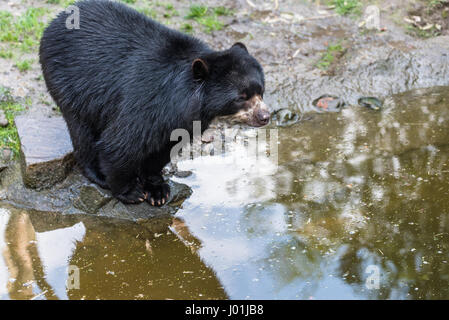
<point x="77" y="195"/>
<point x="91" y="198"/>
<point x="116" y="209"/>
<point x="5" y="95"/>
<point x="370" y="102"/>
<point x="3" y="121"/>
<point x="46" y="150"/>
<point x="183" y="174"/>
<point x="285" y="117"/>
<point x="328" y="103"/>
<point x="5" y="158"/>
<point x="171" y="169"/>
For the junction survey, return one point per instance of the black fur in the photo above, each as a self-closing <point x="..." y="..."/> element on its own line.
<point x="123" y="82"/>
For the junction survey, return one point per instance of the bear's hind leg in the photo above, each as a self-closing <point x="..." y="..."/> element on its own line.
<point x="93" y="174"/>
<point x="126" y="188"/>
<point x="86" y="155"/>
<point x="124" y="184"/>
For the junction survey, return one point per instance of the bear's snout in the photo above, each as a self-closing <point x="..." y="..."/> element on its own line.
<point x="263" y="117"/>
<point x="261" y="114"/>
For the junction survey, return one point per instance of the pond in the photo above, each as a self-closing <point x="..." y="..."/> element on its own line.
<point x="349" y="205"/>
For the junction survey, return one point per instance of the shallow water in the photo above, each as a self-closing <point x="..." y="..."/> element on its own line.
<point x="354" y="205"/>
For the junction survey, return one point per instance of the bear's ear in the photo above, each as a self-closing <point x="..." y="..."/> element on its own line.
<point x="200" y="69"/>
<point x="240" y="45"/>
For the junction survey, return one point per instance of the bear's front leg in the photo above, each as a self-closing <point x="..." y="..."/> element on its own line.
<point x="158" y="190"/>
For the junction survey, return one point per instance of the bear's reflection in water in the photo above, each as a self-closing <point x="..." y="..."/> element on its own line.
<point x="50" y="256"/>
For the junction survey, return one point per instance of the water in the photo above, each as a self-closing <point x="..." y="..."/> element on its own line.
<point x="355" y="205"/>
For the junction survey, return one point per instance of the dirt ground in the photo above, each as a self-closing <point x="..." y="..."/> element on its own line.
<point x="292" y="31"/>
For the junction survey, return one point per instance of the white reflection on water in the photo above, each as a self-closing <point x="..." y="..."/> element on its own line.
<point x="56" y="249"/>
<point x="4" y="217"/>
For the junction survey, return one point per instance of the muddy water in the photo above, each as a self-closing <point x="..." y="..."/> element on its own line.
<point x="354" y="205"/>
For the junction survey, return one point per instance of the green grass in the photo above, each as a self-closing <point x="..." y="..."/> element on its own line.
<point x="187" y="28"/>
<point x="149" y="12"/>
<point x="8" y="135"/>
<point x="196" y="12"/>
<point x="170" y="11"/>
<point x="347" y="7"/>
<point x="6" y="54"/>
<point x="208" y="17"/>
<point x="24" y="31"/>
<point x="329" y="56"/>
<point x="222" y="11"/>
<point x="24" y="65"/>
<point x="425" y="34"/>
<point x="435" y="3"/>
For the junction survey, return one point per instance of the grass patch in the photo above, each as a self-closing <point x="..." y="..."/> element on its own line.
<point x="6" y="54"/>
<point x="148" y="12"/>
<point x="347" y="7"/>
<point x="210" y="23"/>
<point x="187" y="28"/>
<point x="208" y="17"/>
<point x="196" y="12"/>
<point x="8" y="135"/>
<point x="24" y="31"/>
<point x="329" y="56"/>
<point x="222" y="11"/>
<point x="170" y="11"/>
<point x="24" y="65"/>
<point x="425" y="34"/>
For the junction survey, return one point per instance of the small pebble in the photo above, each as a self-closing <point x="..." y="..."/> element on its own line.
<point x="3" y="121"/>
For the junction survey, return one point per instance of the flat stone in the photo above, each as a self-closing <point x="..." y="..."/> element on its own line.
<point x="91" y="198"/>
<point x="46" y="150"/>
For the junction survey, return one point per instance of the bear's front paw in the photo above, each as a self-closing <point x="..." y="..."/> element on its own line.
<point x="158" y="194"/>
<point x="134" y="196"/>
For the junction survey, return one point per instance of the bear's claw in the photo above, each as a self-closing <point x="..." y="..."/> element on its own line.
<point x="158" y="194"/>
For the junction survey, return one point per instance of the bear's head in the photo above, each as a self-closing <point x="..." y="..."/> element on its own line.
<point x="234" y="84"/>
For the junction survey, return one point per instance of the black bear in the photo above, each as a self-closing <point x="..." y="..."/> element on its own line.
<point x="124" y="82"/>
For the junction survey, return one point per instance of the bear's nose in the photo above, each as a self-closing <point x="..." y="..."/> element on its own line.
<point x="263" y="116"/>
